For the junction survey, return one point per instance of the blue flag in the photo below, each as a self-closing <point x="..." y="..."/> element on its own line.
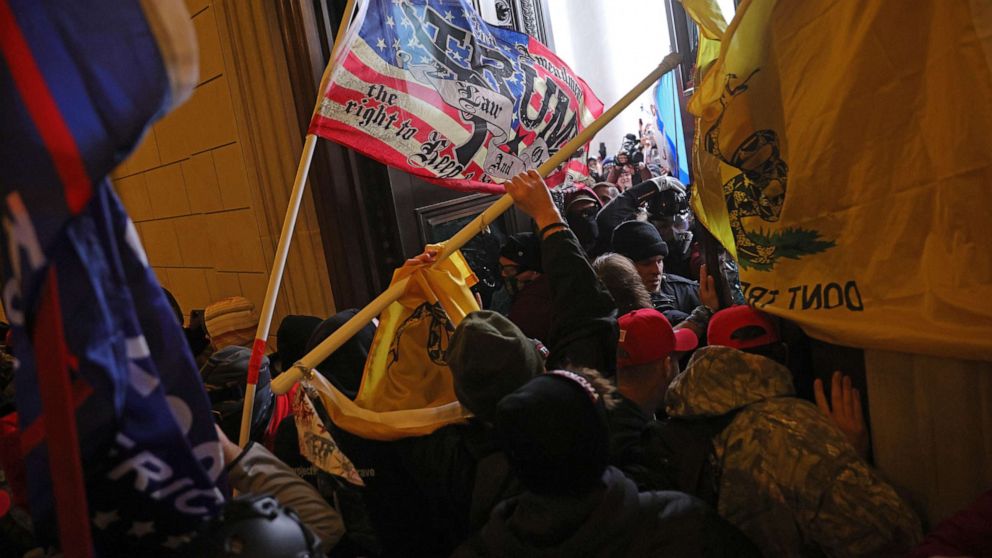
<point x="671" y="143"/>
<point x="79" y="83"/>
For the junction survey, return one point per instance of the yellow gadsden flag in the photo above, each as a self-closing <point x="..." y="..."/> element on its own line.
<point x="843" y="154"/>
<point x="407" y="388"/>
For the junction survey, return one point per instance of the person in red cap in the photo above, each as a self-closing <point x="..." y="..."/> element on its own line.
<point x="755" y="332"/>
<point x="647" y="361"/>
<point x="784" y="473"/>
<point x="645" y="365"/>
<point x="746" y="329"/>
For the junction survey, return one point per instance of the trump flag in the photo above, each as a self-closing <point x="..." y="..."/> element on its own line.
<point x="428" y="87"/>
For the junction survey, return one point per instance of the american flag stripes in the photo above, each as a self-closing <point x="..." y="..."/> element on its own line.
<point x="428" y="87"/>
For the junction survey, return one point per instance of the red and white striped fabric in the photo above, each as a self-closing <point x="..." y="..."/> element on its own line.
<point x="427" y="87"/>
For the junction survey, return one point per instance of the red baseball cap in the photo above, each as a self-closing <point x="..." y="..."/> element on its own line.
<point x="741" y="327"/>
<point x="646" y="336"/>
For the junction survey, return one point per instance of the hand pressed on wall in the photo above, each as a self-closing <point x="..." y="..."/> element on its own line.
<point x="844" y="410"/>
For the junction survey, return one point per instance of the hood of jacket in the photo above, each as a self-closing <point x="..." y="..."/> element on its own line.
<point x="534" y="525"/>
<point x="345" y="366"/>
<point x="718" y="380"/>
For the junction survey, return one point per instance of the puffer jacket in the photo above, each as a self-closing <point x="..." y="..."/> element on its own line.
<point x="787" y="477"/>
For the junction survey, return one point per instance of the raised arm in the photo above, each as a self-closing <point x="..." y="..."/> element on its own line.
<point x="621" y="208"/>
<point x="583" y="323"/>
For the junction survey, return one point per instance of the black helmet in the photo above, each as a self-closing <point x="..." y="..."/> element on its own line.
<point x="256" y="526"/>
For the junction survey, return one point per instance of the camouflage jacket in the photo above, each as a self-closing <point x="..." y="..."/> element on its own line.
<point x="788" y="478"/>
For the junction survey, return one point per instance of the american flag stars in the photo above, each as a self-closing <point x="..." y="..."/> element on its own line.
<point x="102" y="520"/>
<point x="141" y="528"/>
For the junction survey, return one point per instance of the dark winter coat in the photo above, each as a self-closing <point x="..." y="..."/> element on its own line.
<point x="458" y="472"/>
<point x="614" y="520"/>
<point x="531" y="309"/>
<point x="677" y="298"/>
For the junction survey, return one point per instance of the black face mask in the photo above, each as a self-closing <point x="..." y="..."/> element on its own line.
<point x="511" y="285"/>
<point x="585" y="228"/>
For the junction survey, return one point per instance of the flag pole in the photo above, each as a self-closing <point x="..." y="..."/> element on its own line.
<point x="285" y="238"/>
<point x="287" y="379"/>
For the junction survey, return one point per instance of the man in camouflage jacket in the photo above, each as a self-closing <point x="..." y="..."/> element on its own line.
<point x="786" y="476"/>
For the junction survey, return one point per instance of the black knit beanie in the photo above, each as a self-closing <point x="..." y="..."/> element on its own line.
<point x="638" y="240"/>
<point x="555" y="434"/>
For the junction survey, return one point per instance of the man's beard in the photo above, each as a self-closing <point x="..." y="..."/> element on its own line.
<point x="654" y="286"/>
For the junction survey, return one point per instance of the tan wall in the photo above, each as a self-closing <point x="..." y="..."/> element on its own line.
<point x="193" y="188"/>
<point x="931" y="424"/>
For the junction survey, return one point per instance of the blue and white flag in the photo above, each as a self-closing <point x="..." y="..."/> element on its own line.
<point x="79" y="84"/>
<point x="671" y="140"/>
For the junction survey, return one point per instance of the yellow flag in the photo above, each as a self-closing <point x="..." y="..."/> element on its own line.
<point x="709" y="18"/>
<point x="844" y="155"/>
<point x="407" y="388"/>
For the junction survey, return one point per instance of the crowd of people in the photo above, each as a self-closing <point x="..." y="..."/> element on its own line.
<point x="618" y="410"/>
<point x="639" y="158"/>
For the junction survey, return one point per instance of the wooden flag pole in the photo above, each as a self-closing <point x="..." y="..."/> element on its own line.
<point x="285" y="238"/>
<point x="287" y="379"/>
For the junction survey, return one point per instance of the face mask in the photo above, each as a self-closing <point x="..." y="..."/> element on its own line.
<point x="511" y="285"/>
<point x="585" y="228"/>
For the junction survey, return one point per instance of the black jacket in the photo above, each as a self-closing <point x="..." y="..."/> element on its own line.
<point x="459" y="470"/>
<point x="677" y="298"/>
<point x="614" y="520"/>
<point x="669" y="454"/>
<point x="631" y="447"/>
<point x="584" y="328"/>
